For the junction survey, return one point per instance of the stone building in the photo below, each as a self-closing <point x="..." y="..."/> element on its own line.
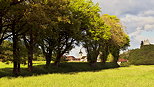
<point x="145" y="42"/>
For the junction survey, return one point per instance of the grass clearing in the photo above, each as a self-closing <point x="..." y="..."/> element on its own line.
<point x="133" y="76"/>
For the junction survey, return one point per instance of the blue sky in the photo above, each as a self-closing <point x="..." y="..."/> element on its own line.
<point x="136" y="15"/>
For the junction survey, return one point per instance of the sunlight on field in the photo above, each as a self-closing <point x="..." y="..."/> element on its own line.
<point x="133" y="76"/>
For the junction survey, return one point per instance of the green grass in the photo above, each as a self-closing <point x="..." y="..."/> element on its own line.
<point x="67" y="76"/>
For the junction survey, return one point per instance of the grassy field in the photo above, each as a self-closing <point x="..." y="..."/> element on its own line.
<point x="133" y="76"/>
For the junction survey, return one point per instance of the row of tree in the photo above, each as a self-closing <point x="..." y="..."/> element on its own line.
<point x="55" y="27"/>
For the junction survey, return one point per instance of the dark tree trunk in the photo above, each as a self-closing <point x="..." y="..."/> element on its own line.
<point x="48" y="59"/>
<point x="30" y="52"/>
<point x="19" y="67"/>
<point x="57" y="61"/>
<point x="92" y="52"/>
<point x="103" y="58"/>
<point x="29" y="43"/>
<point x="60" y="53"/>
<point x="115" y="54"/>
<point x="1" y="25"/>
<point x="104" y="55"/>
<point x="15" y="67"/>
<point x="30" y="64"/>
<point x="16" y="57"/>
<point x="92" y="58"/>
<point x="47" y="54"/>
<point x="16" y="60"/>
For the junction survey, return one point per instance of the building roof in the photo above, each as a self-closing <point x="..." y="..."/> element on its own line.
<point x="122" y="60"/>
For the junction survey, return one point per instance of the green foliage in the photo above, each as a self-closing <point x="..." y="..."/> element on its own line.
<point x="118" y="36"/>
<point x="119" y="39"/>
<point x="125" y="55"/>
<point x="6" y="51"/>
<point x="7" y="54"/>
<point x="143" y="56"/>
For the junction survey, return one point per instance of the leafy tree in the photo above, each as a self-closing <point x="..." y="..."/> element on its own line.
<point x="12" y="26"/>
<point x="35" y="18"/>
<point x="119" y="39"/>
<point x="92" y="27"/>
<point x="52" y="38"/>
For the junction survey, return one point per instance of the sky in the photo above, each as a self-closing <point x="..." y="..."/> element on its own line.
<point x="136" y="15"/>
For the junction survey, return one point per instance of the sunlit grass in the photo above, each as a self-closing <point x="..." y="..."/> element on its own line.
<point x="133" y="76"/>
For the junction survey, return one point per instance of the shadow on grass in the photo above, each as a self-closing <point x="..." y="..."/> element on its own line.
<point x="64" y="68"/>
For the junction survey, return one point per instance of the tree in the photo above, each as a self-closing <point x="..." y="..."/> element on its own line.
<point x="92" y="27"/>
<point x="13" y="21"/>
<point x="35" y="18"/>
<point x="52" y="37"/>
<point x="119" y="39"/>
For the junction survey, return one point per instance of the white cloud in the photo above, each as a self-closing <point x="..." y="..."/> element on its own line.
<point x="149" y="27"/>
<point x="148" y="13"/>
<point x="133" y="21"/>
<point x="137" y="32"/>
<point x="120" y="7"/>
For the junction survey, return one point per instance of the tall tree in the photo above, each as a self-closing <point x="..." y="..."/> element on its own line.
<point x="35" y="18"/>
<point x="119" y="39"/>
<point x="92" y="27"/>
<point x="14" y="20"/>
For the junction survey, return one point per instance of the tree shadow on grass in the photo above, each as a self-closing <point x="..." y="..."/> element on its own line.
<point x="64" y="68"/>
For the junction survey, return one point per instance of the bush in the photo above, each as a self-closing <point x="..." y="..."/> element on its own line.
<point x="125" y="64"/>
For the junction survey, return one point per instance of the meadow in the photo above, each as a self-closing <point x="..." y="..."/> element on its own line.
<point x="78" y="75"/>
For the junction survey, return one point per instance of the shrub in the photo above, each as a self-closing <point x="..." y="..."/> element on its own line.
<point x="125" y="64"/>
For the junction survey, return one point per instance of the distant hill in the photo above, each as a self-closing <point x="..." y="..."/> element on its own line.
<point x="142" y="56"/>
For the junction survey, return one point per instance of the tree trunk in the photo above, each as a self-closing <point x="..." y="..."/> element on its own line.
<point x="104" y="56"/>
<point x="57" y="61"/>
<point x="18" y="67"/>
<point x="48" y="59"/>
<point x="115" y="54"/>
<point x="92" y="58"/>
<point x="30" y="53"/>
<point x="15" y="67"/>
<point x="16" y="58"/>
<point x="1" y="25"/>
<point x="30" y="57"/>
<point x="16" y="62"/>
